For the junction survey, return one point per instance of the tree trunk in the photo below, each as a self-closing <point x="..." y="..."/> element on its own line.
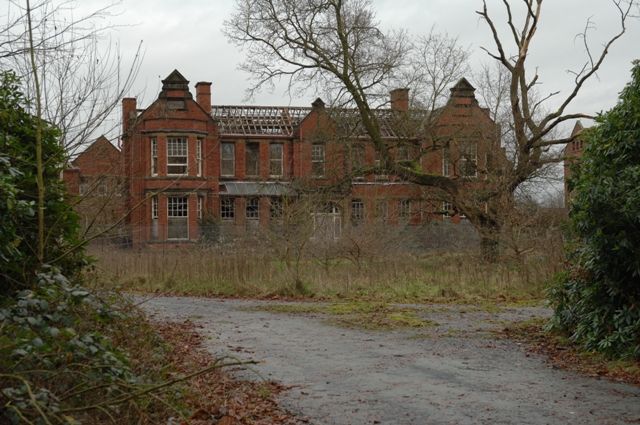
<point x="490" y="243"/>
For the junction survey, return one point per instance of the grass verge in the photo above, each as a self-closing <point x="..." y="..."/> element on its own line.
<point x="442" y="278"/>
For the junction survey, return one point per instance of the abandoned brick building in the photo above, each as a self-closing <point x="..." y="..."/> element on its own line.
<point x="183" y="160"/>
<point x="572" y="153"/>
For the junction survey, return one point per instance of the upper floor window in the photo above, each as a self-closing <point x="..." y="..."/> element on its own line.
<point x="402" y="153"/>
<point x="446" y="162"/>
<point x="357" y="160"/>
<point x="468" y="163"/>
<point x="275" y="159"/>
<point x="154" y="156"/>
<point x="252" y="159"/>
<point x="177" y="155"/>
<point x="317" y="159"/>
<point x="199" y="156"/>
<point x="380" y="174"/>
<point x="228" y="159"/>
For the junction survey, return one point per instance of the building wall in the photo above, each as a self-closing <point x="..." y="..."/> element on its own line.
<point x="175" y="113"/>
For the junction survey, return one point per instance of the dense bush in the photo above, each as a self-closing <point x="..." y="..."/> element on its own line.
<point x="598" y="300"/>
<point x="18" y="194"/>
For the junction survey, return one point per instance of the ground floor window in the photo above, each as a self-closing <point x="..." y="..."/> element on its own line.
<point x="178" y="217"/>
<point x="357" y="211"/>
<point x="276" y="208"/>
<point x="253" y="208"/>
<point x="227" y="208"/>
<point x="404" y="209"/>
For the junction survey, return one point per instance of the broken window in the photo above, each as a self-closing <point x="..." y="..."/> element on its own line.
<point x="252" y="159"/>
<point x="468" y="164"/>
<point x="228" y="159"/>
<point x="276" y="208"/>
<point x="253" y="208"/>
<point x="404" y="209"/>
<point x="275" y="159"/>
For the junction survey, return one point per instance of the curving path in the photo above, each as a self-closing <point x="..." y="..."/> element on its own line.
<point x="454" y="373"/>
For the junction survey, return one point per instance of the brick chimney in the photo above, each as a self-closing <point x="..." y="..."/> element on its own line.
<point x="203" y="95"/>
<point x="400" y="99"/>
<point x="128" y="113"/>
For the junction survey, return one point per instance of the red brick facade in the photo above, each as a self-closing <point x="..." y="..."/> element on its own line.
<point x="184" y="159"/>
<point x="572" y="153"/>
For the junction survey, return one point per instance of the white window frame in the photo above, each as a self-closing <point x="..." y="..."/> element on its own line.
<point x="318" y="156"/>
<point x="179" y="209"/>
<point x="154" y="207"/>
<point x="200" y="207"/>
<point x="404" y="209"/>
<point x="232" y="159"/>
<point x="227" y="208"/>
<point x="357" y="211"/>
<point x="446" y="162"/>
<point x="199" y="156"/>
<point x="279" y="162"/>
<point x="465" y="158"/>
<point x="154" y="156"/>
<point x="174" y="152"/>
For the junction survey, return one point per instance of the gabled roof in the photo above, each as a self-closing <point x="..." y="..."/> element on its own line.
<point x="98" y="146"/>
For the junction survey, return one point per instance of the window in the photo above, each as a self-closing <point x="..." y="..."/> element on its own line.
<point x="446" y="162"/>
<point x="275" y="159"/>
<point x="154" y="217"/>
<point x="381" y="174"/>
<point x="154" y="156"/>
<point x="447" y="209"/>
<point x="253" y="208"/>
<point x="228" y="159"/>
<point x="252" y="159"/>
<point x="177" y="212"/>
<point x="357" y="211"/>
<point x="402" y="153"/>
<point x="404" y="209"/>
<point x="357" y="160"/>
<point x="177" y="156"/>
<point x="317" y="160"/>
<point x="468" y="159"/>
<point x="199" y="156"/>
<point x="276" y="208"/>
<point x="200" y="206"/>
<point x="154" y="207"/>
<point x="227" y="208"/>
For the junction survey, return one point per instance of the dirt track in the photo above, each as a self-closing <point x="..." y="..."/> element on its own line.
<point x="453" y="373"/>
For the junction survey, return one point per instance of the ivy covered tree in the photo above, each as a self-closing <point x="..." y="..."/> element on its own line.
<point x="598" y="301"/>
<point x="18" y="193"/>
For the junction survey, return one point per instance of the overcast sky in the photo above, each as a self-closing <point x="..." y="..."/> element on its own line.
<point x="186" y="35"/>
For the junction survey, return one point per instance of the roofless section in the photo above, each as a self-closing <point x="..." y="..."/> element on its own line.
<point x="275" y="121"/>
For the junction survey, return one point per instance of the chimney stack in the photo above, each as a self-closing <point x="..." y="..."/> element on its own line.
<point x="400" y="100"/>
<point x="128" y="113"/>
<point x="203" y="95"/>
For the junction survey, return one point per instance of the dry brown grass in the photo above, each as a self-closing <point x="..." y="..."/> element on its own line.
<point x="433" y="278"/>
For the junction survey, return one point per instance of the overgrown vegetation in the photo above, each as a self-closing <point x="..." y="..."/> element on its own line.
<point x="399" y="278"/>
<point x="597" y="301"/>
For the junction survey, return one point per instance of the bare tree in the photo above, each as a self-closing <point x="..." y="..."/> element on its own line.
<point x="81" y="73"/>
<point x="337" y="44"/>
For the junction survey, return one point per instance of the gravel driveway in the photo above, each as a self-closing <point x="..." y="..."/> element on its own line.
<point x="453" y="373"/>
